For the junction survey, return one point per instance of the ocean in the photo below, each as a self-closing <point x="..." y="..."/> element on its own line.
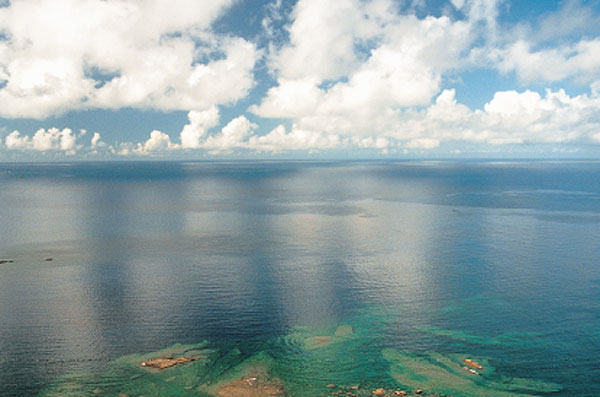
<point x="318" y="276"/>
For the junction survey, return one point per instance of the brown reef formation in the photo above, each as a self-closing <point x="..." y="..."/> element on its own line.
<point x="253" y="386"/>
<point x="167" y="362"/>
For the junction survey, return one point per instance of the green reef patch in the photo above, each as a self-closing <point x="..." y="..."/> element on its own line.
<point x="309" y="338"/>
<point x="208" y="374"/>
<point x="349" y="358"/>
<point x="127" y="375"/>
<point x="456" y="375"/>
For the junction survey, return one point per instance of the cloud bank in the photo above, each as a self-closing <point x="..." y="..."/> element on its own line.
<point x="344" y="75"/>
<point x="63" y="55"/>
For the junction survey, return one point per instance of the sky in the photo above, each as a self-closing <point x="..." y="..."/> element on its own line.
<point x="283" y="79"/>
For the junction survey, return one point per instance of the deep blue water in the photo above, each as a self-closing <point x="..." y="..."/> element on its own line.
<point x="145" y="255"/>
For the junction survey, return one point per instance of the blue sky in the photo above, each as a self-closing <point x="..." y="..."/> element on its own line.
<point x="122" y="79"/>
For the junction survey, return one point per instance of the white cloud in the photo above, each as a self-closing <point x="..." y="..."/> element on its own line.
<point x="279" y="140"/>
<point x="233" y="135"/>
<point x="332" y="40"/>
<point x="379" y="61"/>
<point x="510" y="118"/>
<point x="355" y="74"/>
<point x="157" y="143"/>
<point x="167" y="80"/>
<point x="556" y="46"/>
<point x="579" y="61"/>
<point x="240" y="134"/>
<point x="72" y="54"/>
<point x="384" y="70"/>
<point x="195" y="136"/>
<point x="67" y="140"/>
<point x="200" y="121"/>
<point x="322" y="40"/>
<point x="43" y="140"/>
<point x="96" y="141"/>
<point x="528" y="117"/>
<point x="290" y="98"/>
<point x="14" y="140"/>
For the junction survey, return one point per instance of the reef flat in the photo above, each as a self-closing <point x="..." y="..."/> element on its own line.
<point x="337" y="359"/>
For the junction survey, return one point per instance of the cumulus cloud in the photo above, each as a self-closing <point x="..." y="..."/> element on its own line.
<point x="199" y="123"/>
<point x="240" y="134"/>
<point x="233" y="135"/>
<point x="321" y="40"/>
<point x="511" y="117"/>
<point x="279" y="140"/>
<point x="43" y="140"/>
<point x="72" y="54"/>
<point x="579" y="61"/>
<point x="350" y="64"/>
<point x="348" y="74"/>
<point x="554" y="47"/>
<point x="195" y="136"/>
<point x="158" y="142"/>
<point x="359" y="73"/>
<point x="96" y="141"/>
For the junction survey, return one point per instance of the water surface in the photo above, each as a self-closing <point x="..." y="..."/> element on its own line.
<point x="496" y="260"/>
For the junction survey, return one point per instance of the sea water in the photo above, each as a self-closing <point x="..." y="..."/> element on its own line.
<point x="357" y="274"/>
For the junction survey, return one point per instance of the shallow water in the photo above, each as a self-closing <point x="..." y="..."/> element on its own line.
<point x="429" y="262"/>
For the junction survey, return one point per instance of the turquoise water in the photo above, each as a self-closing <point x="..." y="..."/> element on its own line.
<point x="258" y="265"/>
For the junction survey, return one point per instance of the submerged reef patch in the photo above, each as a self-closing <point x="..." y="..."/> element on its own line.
<point x="348" y="358"/>
<point x="452" y="374"/>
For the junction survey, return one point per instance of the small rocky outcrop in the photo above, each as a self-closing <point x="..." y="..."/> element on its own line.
<point x="167" y="362"/>
<point x="473" y="364"/>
